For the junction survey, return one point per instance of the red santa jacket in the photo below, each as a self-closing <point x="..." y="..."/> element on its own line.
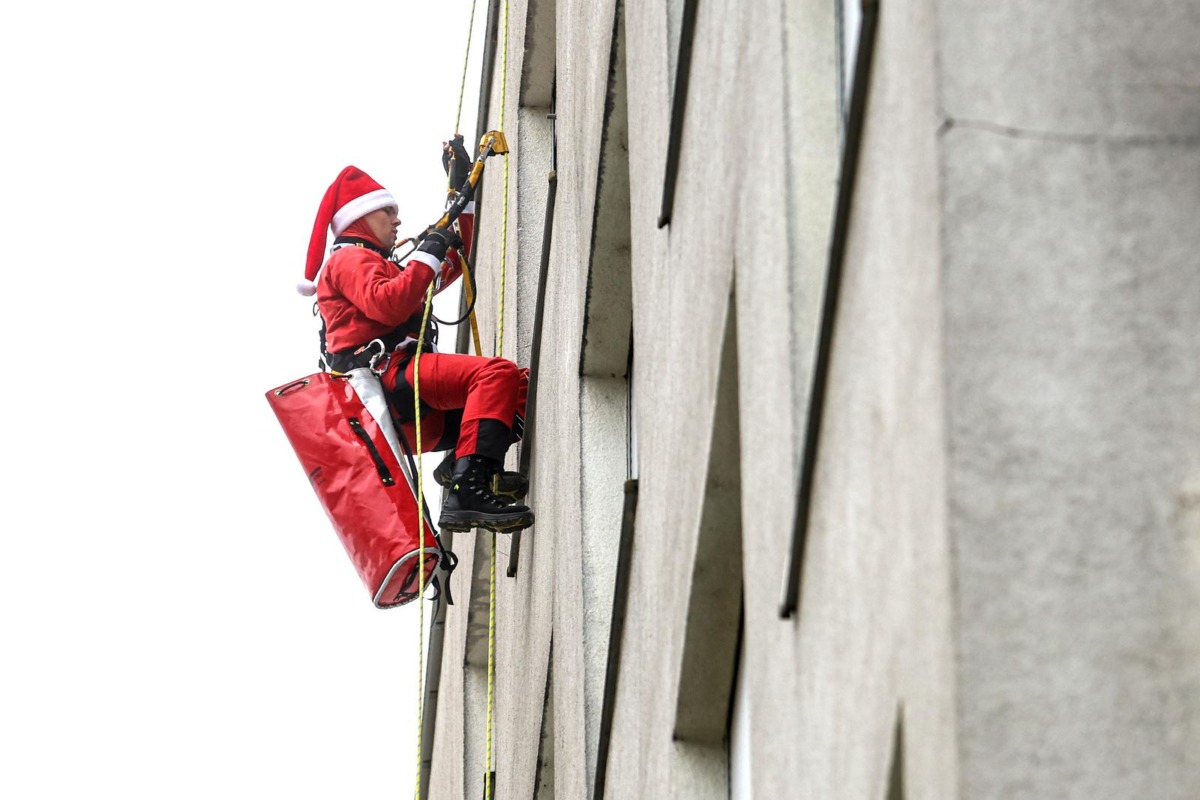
<point x="363" y="296"/>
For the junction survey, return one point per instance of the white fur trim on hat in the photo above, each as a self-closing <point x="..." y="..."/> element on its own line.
<point x="306" y="288"/>
<point x="359" y="207"/>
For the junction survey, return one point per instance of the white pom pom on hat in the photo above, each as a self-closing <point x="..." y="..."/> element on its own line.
<point x="353" y="194"/>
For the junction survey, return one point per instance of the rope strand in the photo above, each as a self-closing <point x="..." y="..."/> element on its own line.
<point x="462" y="85"/>
<point x="420" y="541"/>
<point x="420" y="472"/>
<point x="488" y="787"/>
<point x="491" y="668"/>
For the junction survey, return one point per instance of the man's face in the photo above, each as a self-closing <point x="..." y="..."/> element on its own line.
<point x="384" y="223"/>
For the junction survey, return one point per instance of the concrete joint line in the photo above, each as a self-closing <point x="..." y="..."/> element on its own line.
<point x="1008" y="131"/>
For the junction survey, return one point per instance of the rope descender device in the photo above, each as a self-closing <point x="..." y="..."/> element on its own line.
<point x="493" y="143"/>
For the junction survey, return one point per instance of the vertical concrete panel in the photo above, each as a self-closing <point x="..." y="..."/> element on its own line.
<point x="525" y="607"/>
<point x="714" y="606"/>
<point x="803" y="57"/>
<point x="678" y="330"/>
<point x="1073" y="306"/>
<point x="782" y="237"/>
<point x="533" y="157"/>
<point x="557" y="472"/>
<point x="648" y="103"/>
<point x="603" y="455"/>
<point x="523" y="661"/>
<point x="1071" y="184"/>
<point x="538" y="62"/>
<point x="874" y="623"/>
<point x="899" y="216"/>
<point x="584" y="60"/>
<point x="474" y="667"/>
<point x="446" y="775"/>
<point x="610" y="303"/>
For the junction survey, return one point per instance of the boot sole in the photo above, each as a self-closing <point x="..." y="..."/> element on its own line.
<point x="465" y="521"/>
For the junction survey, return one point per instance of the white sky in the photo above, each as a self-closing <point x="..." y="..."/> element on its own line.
<point x="178" y="617"/>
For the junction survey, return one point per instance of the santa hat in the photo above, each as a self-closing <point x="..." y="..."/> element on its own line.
<point x="353" y="194"/>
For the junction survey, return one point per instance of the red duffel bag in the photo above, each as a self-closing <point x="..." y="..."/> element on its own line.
<point x="342" y="432"/>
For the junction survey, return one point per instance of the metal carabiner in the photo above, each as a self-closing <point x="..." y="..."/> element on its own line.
<point x="376" y="358"/>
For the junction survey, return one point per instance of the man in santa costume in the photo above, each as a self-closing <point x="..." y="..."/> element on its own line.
<point x="372" y="307"/>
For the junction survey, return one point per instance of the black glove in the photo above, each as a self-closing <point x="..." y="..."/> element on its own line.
<point x="436" y="241"/>
<point x="458" y="167"/>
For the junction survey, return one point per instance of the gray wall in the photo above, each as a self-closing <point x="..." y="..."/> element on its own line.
<point x="1003" y="563"/>
<point x="1070" y="166"/>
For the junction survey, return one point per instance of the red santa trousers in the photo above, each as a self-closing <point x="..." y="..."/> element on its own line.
<point x="471" y="404"/>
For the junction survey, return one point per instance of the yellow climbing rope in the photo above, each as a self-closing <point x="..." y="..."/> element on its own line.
<point x="462" y="84"/>
<point x="420" y="474"/>
<point x="420" y="544"/>
<point x="491" y="667"/>
<point x="462" y="88"/>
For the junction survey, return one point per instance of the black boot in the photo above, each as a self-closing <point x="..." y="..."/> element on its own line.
<point x="471" y="503"/>
<point x="510" y="487"/>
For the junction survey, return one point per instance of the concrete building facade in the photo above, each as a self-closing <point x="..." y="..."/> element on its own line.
<point x="866" y="446"/>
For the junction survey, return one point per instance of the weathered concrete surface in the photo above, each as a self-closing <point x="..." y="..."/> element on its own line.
<point x="709" y="657"/>
<point x="1070" y="162"/>
<point x="1004" y="555"/>
<point x="683" y="276"/>
<point x="562" y="590"/>
<point x="873" y="636"/>
<point x="453" y="701"/>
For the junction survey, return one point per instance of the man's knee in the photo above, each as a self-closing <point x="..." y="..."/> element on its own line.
<point x="503" y="371"/>
<point x="504" y="366"/>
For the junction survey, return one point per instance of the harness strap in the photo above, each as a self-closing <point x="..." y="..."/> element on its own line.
<point x="364" y="355"/>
